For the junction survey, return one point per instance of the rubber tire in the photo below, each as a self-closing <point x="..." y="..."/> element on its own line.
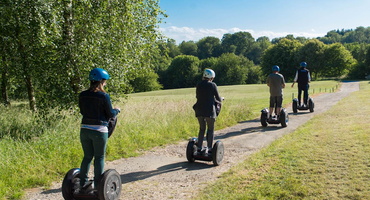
<point x="217" y="153"/>
<point x="71" y="182"/>
<point x="110" y="185"/>
<point x="190" y="151"/>
<point x="284" y="118"/>
<point x="264" y="119"/>
<point x="311" y="104"/>
<point x="295" y="106"/>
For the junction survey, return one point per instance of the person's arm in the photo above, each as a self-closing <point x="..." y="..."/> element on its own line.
<point x="295" y="78"/>
<point x="110" y="111"/>
<point x="309" y="77"/>
<point x="217" y="95"/>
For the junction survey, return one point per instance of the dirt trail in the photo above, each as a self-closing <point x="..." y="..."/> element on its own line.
<point x="164" y="173"/>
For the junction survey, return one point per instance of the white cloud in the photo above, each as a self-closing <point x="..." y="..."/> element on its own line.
<point x="186" y="33"/>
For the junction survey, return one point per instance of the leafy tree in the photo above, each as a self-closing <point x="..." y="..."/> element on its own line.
<point x="312" y="52"/>
<point x="146" y="81"/>
<point x="257" y="49"/>
<point x="182" y="72"/>
<point x="238" y="43"/>
<point x="173" y="48"/>
<point x="338" y="61"/>
<point x="189" y="48"/>
<point x="209" y="47"/>
<point x="54" y="44"/>
<point x="331" y="37"/>
<point x="254" y="75"/>
<point x="360" y="35"/>
<point x="283" y="54"/>
<point x="232" y="69"/>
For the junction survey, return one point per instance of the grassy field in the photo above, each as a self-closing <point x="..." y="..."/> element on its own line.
<point x="35" y="152"/>
<point x="327" y="158"/>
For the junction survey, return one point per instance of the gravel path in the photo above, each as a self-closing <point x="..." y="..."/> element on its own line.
<point x="164" y="173"/>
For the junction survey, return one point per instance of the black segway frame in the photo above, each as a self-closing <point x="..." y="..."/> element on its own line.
<point x="109" y="188"/>
<point x="216" y="156"/>
<point x="283" y="119"/>
<point x="296" y="107"/>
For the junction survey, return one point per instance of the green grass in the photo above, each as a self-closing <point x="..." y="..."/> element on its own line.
<point x="327" y="158"/>
<point x="35" y="152"/>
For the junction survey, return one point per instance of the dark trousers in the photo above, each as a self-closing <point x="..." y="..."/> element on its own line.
<point x="303" y="88"/>
<point x="209" y="124"/>
<point x="94" y="144"/>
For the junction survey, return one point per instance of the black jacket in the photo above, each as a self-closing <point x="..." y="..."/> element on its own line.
<point x="207" y="95"/>
<point x="96" y="108"/>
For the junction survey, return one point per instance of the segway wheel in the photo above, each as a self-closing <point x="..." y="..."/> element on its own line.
<point x="284" y="118"/>
<point x="263" y="119"/>
<point x="190" y="151"/>
<point x="70" y="183"/>
<point x="311" y="104"/>
<point x="295" y="106"/>
<point x="217" y="153"/>
<point x="110" y="185"/>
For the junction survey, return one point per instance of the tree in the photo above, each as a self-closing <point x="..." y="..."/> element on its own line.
<point x="283" y="54"/>
<point x="239" y="43"/>
<point x="257" y="49"/>
<point x="338" y="61"/>
<point x="189" y="48"/>
<point x="182" y="72"/>
<point x="312" y="52"/>
<point x="54" y="44"/>
<point x="232" y="69"/>
<point x="173" y="48"/>
<point x="209" y="47"/>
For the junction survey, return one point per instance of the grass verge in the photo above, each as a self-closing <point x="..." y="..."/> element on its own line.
<point x="327" y="158"/>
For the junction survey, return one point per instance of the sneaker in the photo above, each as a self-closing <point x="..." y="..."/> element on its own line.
<point x="209" y="150"/>
<point x="195" y="150"/>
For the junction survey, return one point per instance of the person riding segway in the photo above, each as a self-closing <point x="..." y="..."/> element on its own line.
<point x="206" y="109"/>
<point x="303" y="78"/>
<point x="276" y="82"/>
<point x="98" y="122"/>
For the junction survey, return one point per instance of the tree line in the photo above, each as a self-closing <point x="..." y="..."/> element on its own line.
<point x="49" y="47"/>
<point x="240" y="59"/>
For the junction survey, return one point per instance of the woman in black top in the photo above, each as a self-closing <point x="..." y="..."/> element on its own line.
<point x="205" y="109"/>
<point x="96" y="109"/>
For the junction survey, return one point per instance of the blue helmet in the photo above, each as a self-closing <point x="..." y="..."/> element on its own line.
<point x="98" y="74"/>
<point x="275" y="68"/>
<point x="303" y="64"/>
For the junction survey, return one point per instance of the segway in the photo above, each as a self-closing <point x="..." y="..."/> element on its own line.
<point x="282" y="119"/>
<point x="109" y="187"/>
<point x="310" y="106"/>
<point x="216" y="155"/>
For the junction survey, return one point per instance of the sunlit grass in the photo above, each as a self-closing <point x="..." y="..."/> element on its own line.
<point x="327" y="158"/>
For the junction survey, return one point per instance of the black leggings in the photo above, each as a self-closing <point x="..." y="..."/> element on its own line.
<point x="205" y="122"/>
<point x="303" y="88"/>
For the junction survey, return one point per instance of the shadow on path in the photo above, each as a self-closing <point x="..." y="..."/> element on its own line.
<point x="141" y="175"/>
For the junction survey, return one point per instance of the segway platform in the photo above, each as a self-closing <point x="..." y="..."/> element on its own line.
<point x="282" y="119"/>
<point x="109" y="187"/>
<point x="296" y="106"/>
<point x="216" y="155"/>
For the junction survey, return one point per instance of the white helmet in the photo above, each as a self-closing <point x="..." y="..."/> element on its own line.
<point x="209" y="73"/>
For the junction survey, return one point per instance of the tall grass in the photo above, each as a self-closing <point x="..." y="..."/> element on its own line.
<point x="327" y="158"/>
<point x="37" y="151"/>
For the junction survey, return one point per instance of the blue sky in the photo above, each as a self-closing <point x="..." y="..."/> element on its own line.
<point x="195" y="19"/>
